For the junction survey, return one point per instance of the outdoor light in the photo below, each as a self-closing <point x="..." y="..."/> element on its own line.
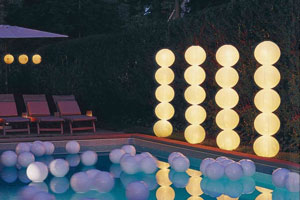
<point x="23" y="59"/>
<point x="164" y="192"/>
<point x="266" y="100"/>
<point x="164" y="93"/>
<point x="227" y="98"/>
<point x="36" y="59"/>
<point x="8" y="59"/>
<point x="195" y="94"/>
<point x="193" y="187"/>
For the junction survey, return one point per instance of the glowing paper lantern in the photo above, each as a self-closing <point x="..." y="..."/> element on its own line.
<point x="227" y="55"/>
<point x="195" y="55"/>
<point x="266" y="100"/>
<point x="9" y="59"/>
<point x="227" y="119"/>
<point x="195" y="114"/>
<point x="36" y="59"/>
<point x="227" y="77"/>
<point x="194" y="75"/>
<point x="23" y="59"/>
<point x="228" y="140"/>
<point x="194" y="134"/>
<point x="164" y="93"/>
<point x="227" y="98"/>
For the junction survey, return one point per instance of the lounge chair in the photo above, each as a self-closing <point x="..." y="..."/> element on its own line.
<point x="9" y="115"/>
<point x="69" y="110"/>
<point x="38" y="111"/>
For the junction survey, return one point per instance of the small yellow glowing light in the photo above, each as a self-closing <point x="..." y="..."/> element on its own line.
<point x="227" y="77"/>
<point x="228" y="140"/>
<point x="162" y="128"/>
<point x="267" y="53"/>
<point x="194" y="75"/>
<point x="164" y="111"/>
<point x="266" y="146"/>
<point x="9" y="59"/>
<point x="227" y="98"/>
<point x="165" y="58"/>
<point x="195" y="55"/>
<point x="193" y="172"/>
<point x="164" y="76"/>
<point x="267" y="123"/>
<point x="162" y="177"/>
<point x="267" y="76"/>
<point x="195" y="114"/>
<point x="267" y="100"/>
<point x="162" y="165"/>
<point x="193" y="186"/>
<point x="194" y="94"/>
<point x="227" y="119"/>
<point x="165" y="193"/>
<point x="36" y="59"/>
<point x="23" y="59"/>
<point x="227" y="55"/>
<point x="164" y="93"/>
<point x="194" y="134"/>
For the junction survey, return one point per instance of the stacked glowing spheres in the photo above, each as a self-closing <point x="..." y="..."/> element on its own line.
<point x="37" y="171"/>
<point x="23" y="59"/>
<point x="9" y="158"/>
<point x="164" y="93"/>
<point x="36" y="59"/>
<point x="9" y="59"/>
<point x="266" y="100"/>
<point x="72" y="147"/>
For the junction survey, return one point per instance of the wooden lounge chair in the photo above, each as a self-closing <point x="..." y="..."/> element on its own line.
<point x="38" y="111"/>
<point x="9" y="115"/>
<point x="69" y="110"/>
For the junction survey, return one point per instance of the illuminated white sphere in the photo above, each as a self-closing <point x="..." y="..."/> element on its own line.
<point x="227" y="119"/>
<point x="227" y="98"/>
<point x="165" y="58"/>
<point x="204" y="164"/>
<point x="38" y="148"/>
<point x="267" y="124"/>
<point x="195" y="55"/>
<point x="195" y="114"/>
<point x="164" y="76"/>
<point x="49" y="146"/>
<point x="59" y="167"/>
<point x="194" y="94"/>
<point x="194" y="134"/>
<point x="9" y="158"/>
<point x="164" y="111"/>
<point x="292" y="182"/>
<point x="194" y="75"/>
<point x="267" y="100"/>
<point x="164" y="93"/>
<point x="22" y="147"/>
<point x="279" y="177"/>
<point x="89" y="158"/>
<point x="72" y="147"/>
<point x="129" y="149"/>
<point x="9" y="174"/>
<point x="214" y="170"/>
<point x="173" y="155"/>
<point x="180" y="164"/>
<point x="80" y="182"/>
<point x="25" y="158"/>
<point x="227" y="55"/>
<point x="59" y="185"/>
<point x="248" y="166"/>
<point x="234" y="171"/>
<point x="42" y="195"/>
<point x="104" y="182"/>
<point x="267" y="76"/>
<point x="148" y="165"/>
<point x="228" y="140"/>
<point x="163" y="128"/>
<point x="267" y="53"/>
<point x="37" y="172"/>
<point x="129" y="165"/>
<point x="227" y="77"/>
<point x="115" y="155"/>
<point x="266" y="146"/>
<point x="137" y="191"/>
<point x="73" y="160"/>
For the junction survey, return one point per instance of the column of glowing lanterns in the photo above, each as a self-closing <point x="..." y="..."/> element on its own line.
<point x="227" y="98"/>
<point x="266" y="100"/>
<point x="164" y="93"/>
<point x="195" y="94"/>
<point x="164" y="192"/>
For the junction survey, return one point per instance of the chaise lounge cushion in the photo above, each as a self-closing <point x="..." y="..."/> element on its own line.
<point x="47" y="119"/>
<point x="8" y="109"/>
<point x="79" y="118"/>
<point x="68" y="108"/>
<point x="13" y="119"/>
<point x="38" y="108"/>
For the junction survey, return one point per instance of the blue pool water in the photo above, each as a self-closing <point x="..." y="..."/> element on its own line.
<point x="165" y="184"/>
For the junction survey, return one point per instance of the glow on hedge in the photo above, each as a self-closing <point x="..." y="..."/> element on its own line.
<point x="266" y="100"/>
<point x="195" y="94"/>
<point x="227" y="98"/>
<point x="164" y="93"/>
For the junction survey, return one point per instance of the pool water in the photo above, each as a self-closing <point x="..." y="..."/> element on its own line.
<point x="165" y="184"/>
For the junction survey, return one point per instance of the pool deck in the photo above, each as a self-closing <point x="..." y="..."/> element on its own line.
<point x="147" y="141"/>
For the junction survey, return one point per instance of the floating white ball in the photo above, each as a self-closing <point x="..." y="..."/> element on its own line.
<point x="59" y="167"/>
<point x="129" y="149"/>
<point x="38" y="148"/>
<point x="292" y="182"/>
<point x="214" y="170"/>
<point x="49" y="147"/>
<point x="248" y="166"/>
<point x="279" y="176"/>
<point x="115" y="155"/>
<point x="89" y="158"/>
<point x="221" y="158"/>
<point x="148" y="165"/>
<point x="180" y="164"/>
<point x="73" y="160"/>
<point x="104" y="182"/>
<point x="80" y="182"/>
<point x="59" y="185"/>
<point x="73" y="147"/>
<point x="129" y="164"/>
<point x="234" y="171"/>
<point x="9" y="158"/>
<point x="137" y="191"/>
<point x="25" y="158"/>
<point x="22" y="147"/>
<point x="204" y="164"/>
<point x="173" y="155"/>
<point x="226" y="162"/>
<point x="37" y="172"/>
